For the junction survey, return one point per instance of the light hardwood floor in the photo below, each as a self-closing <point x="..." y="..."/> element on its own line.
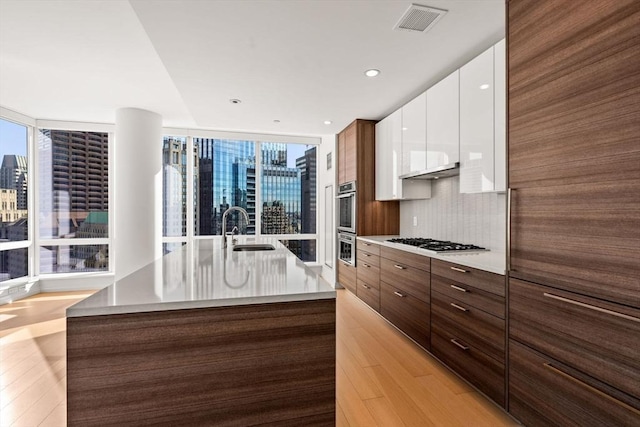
<point x="383" y="378"/>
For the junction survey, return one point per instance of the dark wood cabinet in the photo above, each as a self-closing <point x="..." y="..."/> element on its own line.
<point x="347" y="276"/>
<point x="574" y="174"/>
<point x="409" y="314"/>
<point x="406" y="271"/>
<point x="356" y="162"/>
<point x="595" y="336"/>
<point x="405" y="293"/>
<point x="474" y="365"/>
<point x="544" y="392"/>
<point x="468" y="328"/>
<point x="368" y="270"/>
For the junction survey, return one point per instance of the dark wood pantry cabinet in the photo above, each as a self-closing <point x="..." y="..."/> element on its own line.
<point x="574" y="175"/>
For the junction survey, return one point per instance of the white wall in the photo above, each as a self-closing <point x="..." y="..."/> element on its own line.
<point x="478" y="219"/>
<point x="326" y="177"/>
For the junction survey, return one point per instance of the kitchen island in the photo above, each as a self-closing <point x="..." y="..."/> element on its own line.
<point x="205" y="336"/>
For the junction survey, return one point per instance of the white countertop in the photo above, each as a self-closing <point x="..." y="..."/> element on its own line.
<point x="494" y="262"/>
<point x="203" y="274"/>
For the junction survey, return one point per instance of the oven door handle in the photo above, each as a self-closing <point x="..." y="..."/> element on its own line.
<point x="342" y="196"/>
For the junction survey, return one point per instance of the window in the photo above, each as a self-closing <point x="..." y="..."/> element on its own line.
<point x="174" y="179"/>
<point x="73" y="200"/>
<point x="279" y="195"/>
<point x="14" y="200"/>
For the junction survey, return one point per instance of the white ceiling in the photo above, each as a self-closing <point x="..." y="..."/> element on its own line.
<point x="297" y="61"/>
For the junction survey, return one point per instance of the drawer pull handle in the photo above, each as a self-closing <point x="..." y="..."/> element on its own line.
<point x="399" y="294"/>
<point x="458" y="288"/>
<point x="399" y="267"/>
<point x="365" y="286"/>
<point x="366" y="244"/>
<point x="459" y="307"/>
<point x="365" y="254"/>
<point x="459" y="269"/>
<point x="590" y="388"/>
<point x="592" y="307"/>
<point x="462" y="346"/>
<point x="366" y="265"/>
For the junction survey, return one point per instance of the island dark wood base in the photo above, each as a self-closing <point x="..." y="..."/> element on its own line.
<point x="228" y="366"/>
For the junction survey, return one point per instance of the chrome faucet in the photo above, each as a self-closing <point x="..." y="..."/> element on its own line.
<point x="224" y="222"/>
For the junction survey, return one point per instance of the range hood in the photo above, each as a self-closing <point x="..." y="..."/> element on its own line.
<point x="452" y="169"/>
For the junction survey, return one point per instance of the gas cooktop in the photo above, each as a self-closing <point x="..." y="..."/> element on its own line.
<point x="440" y="246"/>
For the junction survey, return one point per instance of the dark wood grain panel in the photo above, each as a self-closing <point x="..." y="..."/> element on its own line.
<point x="475" y="327"/>
<point x="573" y="91"/>
<point x="484" y="372"/>
<point x="580" y="331"/>
<point x="583" y="238"/>
<point x="368" y="258"/>
<point x="369" y="294"/>
<point x="368" y="247"/>
<point x="350" y="152"/>
<point x="369" y="273"/>
<point x="342" y="158"/>
<point x="347" y="276"/>
<point x="485" y="301"/>
<point x="406" y="258"/>
<point x="480" y="279"/>
<point x="408" y="313"/>
<point x="406" y="277"/>
<point x="245" y="365"/>
<point x="544" y="392"/>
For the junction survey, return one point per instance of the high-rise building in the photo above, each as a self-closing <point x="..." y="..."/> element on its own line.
<point x="74" y="179"/>
<point x="307" y="166"/>
<point x="13" y="176"/>
<point x="174" y="176"/>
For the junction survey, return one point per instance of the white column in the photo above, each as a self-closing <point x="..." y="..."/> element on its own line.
<point x="137" y="239"/>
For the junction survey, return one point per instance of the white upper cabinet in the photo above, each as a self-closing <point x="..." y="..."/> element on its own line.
<point x="414" y="135"/>
<point x="443" y="141"/>
<point x="482" y="122"/>
<point x="388" y="156"/>
<point x="389" y="163"/>
<point x="500" y="115"/>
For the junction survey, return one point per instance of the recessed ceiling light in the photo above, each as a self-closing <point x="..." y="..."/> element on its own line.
<point x="405" y="128"/>
<point x="235" y="101"/>
<point x="276" y="121"/>
<point x="327" y="122"/>
<point x="372" y="72"/>
<point x="484" y="86"/>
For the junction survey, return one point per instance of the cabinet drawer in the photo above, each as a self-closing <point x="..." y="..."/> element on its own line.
<point x="485" y="301"/>
<point x="475" y="327"/>
<point x="369" y="295"/>
<point x="368" y="258"/>
<point x="406" y="258"/>
<point x="406" y="312"/>
<point x="599" y="338"/>
<point x="489" y="282"/>
<point x="406" y="277"/>
<point x="369" y="273"/>
<point x="347" y="276"/>
<point x="474" y="365"/>
<point x="544" y="392"/>
<point x="371" y="248"/>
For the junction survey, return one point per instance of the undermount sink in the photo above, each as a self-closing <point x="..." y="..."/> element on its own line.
<point x="254" y="247"/>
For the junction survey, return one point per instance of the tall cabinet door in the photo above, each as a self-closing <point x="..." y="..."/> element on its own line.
<point x="342" y="154"/>
<point x="443" y="136"/>
<point x="414" y="135"/>
<point x="477" y="125"/>
<point x="351" y="152"/>
<point x="574" y="158"/>
<point x="500" y="115"/>
<point x="389" y="157"/>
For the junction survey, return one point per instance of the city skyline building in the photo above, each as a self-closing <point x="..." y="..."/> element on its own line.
<point x="74" y="179"/>
<point x="14" y="176"/>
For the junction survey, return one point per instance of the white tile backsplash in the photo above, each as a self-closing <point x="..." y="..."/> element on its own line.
<point x="478" y="219"/>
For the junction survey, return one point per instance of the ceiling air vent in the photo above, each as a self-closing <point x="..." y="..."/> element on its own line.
<point x="419" y="18"/>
